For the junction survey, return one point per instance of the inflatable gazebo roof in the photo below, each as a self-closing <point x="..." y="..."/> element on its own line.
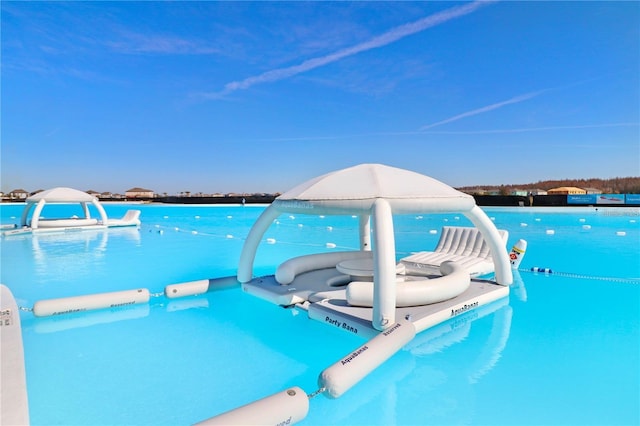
<point x="355" y="189"/>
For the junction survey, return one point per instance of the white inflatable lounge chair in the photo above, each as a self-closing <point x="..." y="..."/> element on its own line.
<point x="131" y="218"/>
<point x="463" y="245"/>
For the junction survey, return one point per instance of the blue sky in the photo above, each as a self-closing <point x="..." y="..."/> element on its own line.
<point x="258" y="97"/>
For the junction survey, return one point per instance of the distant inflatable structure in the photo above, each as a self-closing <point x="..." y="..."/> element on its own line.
<point x="36" y="223"/>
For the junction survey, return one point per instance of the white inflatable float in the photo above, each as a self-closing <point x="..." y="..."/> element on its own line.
<point x="283" y="408"/>
<point x="416" y="291"/>
<point x="91" y="301"/>
<point x="348" y="371"/>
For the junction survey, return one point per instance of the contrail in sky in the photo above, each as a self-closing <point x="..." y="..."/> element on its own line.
<point x="528" y="129"/>
<point x="514" y="100"/>
<point x="484" y="109"/>
<point x="445" y="132"/>
<point x="389" y="37"/>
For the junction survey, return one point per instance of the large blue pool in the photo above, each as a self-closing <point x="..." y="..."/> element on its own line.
<point x="561" y="350"/>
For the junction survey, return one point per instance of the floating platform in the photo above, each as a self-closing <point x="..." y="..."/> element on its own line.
<point x="322" y="294"/>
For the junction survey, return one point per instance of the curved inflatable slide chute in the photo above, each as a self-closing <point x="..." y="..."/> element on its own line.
<point x="455" y="281"/>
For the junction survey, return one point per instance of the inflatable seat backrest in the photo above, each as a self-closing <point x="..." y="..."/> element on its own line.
<point x="466" y="241"/>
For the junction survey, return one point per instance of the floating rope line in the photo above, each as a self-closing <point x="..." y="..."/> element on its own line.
<point x="162" y="228"/>
<point x="316" y="393"/>
<point x="328" y="244"/>
<point x="319" y="245"/>
<point x="581" y="276"/>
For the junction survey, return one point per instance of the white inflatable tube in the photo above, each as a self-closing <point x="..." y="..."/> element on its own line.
<point x="68" y="305"/>
<point x="13" y="382"/>
<point x="365" y="232"/>
<point x="36" y="214"/>
<point x="344" y="374"/>
<point x="61" y="223"/>
<point x="287" y="271"/>
<point x="250" y="247"/>
<point x="384" y="264"/>
<point x="417" y="292"/>
<point x="283" y="408"/>
<point x="492" y="237"/>
<point x="186" y="289"/>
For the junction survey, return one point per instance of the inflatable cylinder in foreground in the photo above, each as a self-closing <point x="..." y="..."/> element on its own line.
<point x="186" y="289"/>
<point x="67" y="305"/>
<point x="283" y="408"/>
<point x="344" y="374"/>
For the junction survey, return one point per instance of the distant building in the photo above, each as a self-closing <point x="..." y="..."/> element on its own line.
<point x="107" y="195"/>
<point x="139" y="193"/>
<point x="18" y="194"/>
<point x="567" y="190"/>
<point x="593" y="191"/>
<point x="520" y="192"/>
<point x="538" y="192"/>
<point x="474" y="191"/>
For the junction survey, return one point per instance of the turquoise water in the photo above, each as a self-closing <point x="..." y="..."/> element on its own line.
<point x="562" y="349"/>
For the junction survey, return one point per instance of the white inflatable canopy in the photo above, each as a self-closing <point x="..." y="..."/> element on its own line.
<point x="355" y="189"/>
<point x="378" y="192"/>
<point x="60" y="195"/>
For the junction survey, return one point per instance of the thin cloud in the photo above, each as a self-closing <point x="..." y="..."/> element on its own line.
<point x="389" y="37"/>
<point x="134" y="43"/>
<point x="530" y="129"/>
<point x="445" y="132"/>
<point x="514" y="100"/>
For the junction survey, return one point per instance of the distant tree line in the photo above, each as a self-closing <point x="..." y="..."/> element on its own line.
<point x="618" y="185"/>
